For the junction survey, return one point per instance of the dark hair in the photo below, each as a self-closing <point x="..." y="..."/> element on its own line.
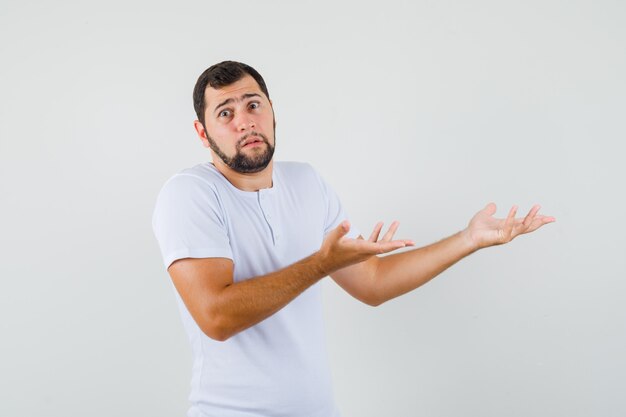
<point x="220" y="75"/>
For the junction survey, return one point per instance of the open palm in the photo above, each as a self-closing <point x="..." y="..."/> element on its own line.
<point x="486" y="230"/>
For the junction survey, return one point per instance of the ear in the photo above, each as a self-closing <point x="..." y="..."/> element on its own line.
<point x="201" y="133"/>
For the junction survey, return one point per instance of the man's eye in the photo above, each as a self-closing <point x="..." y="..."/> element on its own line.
<point x="224" y="113"/>
<point x="254" y="105"/>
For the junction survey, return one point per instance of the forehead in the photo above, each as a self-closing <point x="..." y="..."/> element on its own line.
<point x="247" y="84"/>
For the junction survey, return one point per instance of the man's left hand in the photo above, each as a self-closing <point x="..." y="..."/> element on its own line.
<point x="484" y="230"/>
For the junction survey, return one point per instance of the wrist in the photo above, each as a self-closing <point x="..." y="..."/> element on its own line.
<point x="321" y="264"/>
<point x="469" y="242"/>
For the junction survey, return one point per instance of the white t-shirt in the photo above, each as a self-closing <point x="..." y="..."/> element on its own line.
<point x="279" y="367"/>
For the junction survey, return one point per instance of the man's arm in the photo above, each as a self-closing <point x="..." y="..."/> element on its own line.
<point x="377" y="280"/>
<point x="222" y="308"/>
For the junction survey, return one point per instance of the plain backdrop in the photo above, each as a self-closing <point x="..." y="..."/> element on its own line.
<point x="420" y="111"/>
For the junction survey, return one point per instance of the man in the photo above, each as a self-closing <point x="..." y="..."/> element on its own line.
<point x="246" y="241"/>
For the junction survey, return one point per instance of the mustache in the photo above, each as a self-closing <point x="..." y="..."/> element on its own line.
<point x="252" y="133"/>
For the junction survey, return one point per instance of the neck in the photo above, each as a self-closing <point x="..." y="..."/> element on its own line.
<point x="246" y="182"/>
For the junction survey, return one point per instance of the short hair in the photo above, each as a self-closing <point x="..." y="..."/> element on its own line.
<point x="220" y="75"/>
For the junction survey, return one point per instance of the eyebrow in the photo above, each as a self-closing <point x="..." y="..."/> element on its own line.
<point x="230" y="100"/>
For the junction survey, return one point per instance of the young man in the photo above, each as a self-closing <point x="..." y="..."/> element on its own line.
<point x="246" y="241"/>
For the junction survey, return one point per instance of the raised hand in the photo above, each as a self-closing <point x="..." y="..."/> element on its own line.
<point x="338" y="251"/>
<point x="484" y="230"/>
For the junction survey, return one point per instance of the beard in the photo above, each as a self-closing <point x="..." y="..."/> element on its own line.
<point x="242" y="162"/>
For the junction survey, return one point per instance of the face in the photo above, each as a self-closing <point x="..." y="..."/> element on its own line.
<point x="240" y="126"/>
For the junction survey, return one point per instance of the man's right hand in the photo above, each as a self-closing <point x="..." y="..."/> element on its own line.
<point x="222" y="307"/>
<point x="338" y="251"/>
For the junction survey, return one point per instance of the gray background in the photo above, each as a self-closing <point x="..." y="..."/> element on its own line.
<point x="418" y="111"/>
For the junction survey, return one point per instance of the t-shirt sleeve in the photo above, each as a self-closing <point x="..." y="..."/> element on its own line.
<point x="335" y="212"/>
<point x="188" y="221"/>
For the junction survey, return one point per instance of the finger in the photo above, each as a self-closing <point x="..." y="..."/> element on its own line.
<point x="341" y="230"/>
<point x="510" y="219"/>
<point x="392" y="230"/>
<point x="531" y="215"/>
<point x="376" y="232"/>
<point x="381" y="247"/>
<point x="490" y="209"/>
<point x="384" y="247"/>
<point x="540" y="221"/>
<point x="509" y="223"/>
<point x="519" y="221"/>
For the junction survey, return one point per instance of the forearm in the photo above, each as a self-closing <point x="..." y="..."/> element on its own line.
<point x="400" y="273"/>
<point x="243" y="304"/>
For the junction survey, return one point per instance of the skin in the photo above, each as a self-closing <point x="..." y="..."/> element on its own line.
<point x="230" y="124"/>
<point x="223" y="308"/>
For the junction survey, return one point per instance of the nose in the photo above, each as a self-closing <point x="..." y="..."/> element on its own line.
<point x="245" y="123"/>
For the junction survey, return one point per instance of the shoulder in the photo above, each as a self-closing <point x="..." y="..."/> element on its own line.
<point x="293" y="171"/>
<point x="195" y="189"/>
<point x="189" y="195"/>
<point x="195" y="181"/>
<point x="204" y="173"/>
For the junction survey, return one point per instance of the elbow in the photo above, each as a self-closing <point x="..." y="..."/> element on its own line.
<point x="216" y="334"/>
<point x="216" y="329"/>
<point x="374" y="302"/>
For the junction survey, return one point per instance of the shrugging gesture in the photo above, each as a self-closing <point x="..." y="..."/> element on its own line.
<point x="379" y="279"/>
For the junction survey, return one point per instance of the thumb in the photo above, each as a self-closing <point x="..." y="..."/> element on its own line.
<point x="341" y="230"/>
<point x="490" y="209"/>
